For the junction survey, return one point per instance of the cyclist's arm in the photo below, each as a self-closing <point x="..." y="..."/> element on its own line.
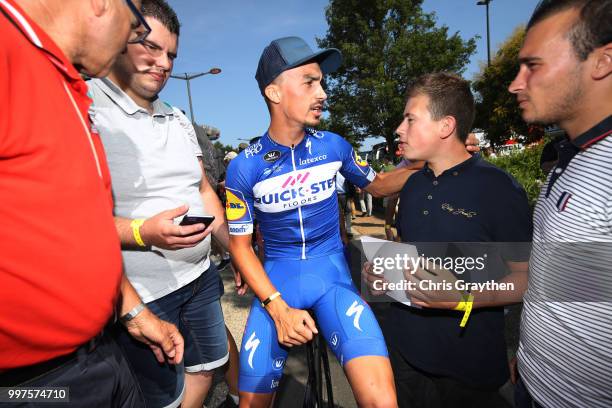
<point x="389" y="183"/>
<point x="293" y="326"/>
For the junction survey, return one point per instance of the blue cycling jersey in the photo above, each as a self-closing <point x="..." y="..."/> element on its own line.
<point x="291" y="191"/>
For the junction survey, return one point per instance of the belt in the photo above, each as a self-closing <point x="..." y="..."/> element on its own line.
<point x="20" y="375"/>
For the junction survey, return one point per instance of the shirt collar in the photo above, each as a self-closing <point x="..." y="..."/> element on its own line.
<point x="307" y="134"/>
<point x="594" y="134"/>
<point x="457" y="169"/>
<point x="37" y="37"/>
<point x="127" y="104"/>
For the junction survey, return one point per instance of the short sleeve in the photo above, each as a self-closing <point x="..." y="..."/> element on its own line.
<point x="239" y="200"/>
<point x="354" y="168"/>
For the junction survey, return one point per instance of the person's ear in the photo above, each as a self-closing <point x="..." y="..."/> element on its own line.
<point x="99" y="7"/>
<point x="447" y="126"/>
<point x="273" y="93"/>
<point x="603" y="62"/>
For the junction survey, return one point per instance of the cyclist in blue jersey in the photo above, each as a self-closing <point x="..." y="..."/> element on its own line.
<point x="286" y="181"/>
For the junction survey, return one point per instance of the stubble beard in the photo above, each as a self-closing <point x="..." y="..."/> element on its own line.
<point x="565" y="105"/>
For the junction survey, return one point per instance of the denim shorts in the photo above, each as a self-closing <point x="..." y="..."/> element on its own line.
<point x="196" y="310"/>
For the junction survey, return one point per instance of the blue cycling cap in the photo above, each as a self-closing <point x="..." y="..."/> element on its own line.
<point x="290" y="52"/>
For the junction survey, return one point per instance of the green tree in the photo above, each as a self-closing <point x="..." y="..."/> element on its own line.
<point x="225" y="148"/>
<point x="385" y="44"/>
<point x="497" y="112"/>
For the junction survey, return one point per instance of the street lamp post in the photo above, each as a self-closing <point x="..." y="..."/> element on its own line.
<point x="486" y="3"/>
<point x="187" y="77"/>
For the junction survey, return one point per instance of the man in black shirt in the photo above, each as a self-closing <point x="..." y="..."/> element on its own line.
<point x="455" y="198"/>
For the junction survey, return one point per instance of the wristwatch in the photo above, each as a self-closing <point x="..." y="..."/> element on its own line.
<point x="132" y="313"/>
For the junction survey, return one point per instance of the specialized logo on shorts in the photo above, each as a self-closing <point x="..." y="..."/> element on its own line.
<point x="334" y="340"/>
<point x="251" y="345"/>
<point x="355" y="309"/>
<point x="272" y="156"/>
<point x="235" y="207"/>
<point x="253" y="149"/>
<point x="278" y="363"/>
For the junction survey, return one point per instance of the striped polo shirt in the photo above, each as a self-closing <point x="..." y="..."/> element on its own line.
<point x="565" y="356"/>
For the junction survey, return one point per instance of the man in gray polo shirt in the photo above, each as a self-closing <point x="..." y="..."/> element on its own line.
<point x="565" y="78"/>
<point x="158" y="177"/>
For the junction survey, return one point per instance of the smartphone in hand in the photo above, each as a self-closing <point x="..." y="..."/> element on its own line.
<point x="198" y="219"/>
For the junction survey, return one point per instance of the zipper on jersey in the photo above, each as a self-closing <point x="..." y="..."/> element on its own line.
<point x="299" y="208"/>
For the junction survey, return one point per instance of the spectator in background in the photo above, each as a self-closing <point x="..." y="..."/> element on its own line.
<point x="158" y="176"/>
<point x="365" y="203"/>
<point x="61" y="266"/>
<point x="210" y="154"/>
<point x="565" y="78"/>
<point x="212" y="159"/>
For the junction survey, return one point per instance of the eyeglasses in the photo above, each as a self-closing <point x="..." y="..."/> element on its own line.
<point x="138" y="36"/>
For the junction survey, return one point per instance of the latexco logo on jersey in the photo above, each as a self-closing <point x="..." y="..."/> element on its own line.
<point x="304" y="162"/>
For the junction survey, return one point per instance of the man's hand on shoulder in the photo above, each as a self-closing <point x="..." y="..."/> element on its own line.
<point x="471" y="143"/>
<point x="160" y="230"/>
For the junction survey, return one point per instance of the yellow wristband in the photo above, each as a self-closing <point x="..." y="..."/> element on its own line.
<point x="468" y="309"/>
<point x="136" y="224"/>
<point x="387" y="226"/>
<point x="463" y="302"/>
<point x="270" y="298"/>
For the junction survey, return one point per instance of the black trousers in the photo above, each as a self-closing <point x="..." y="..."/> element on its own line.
<point x="417" y="389"/>
<point x="522" y="398"/>
<point x="96" y="375"/>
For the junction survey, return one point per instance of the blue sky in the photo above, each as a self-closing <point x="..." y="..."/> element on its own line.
<point x="230" y="34"/>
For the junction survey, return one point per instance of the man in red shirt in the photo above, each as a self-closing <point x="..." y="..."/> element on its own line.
<point x="60" y="263"/>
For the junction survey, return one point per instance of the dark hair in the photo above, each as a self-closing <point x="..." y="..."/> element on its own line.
<point x="162" y="12"/>
<point x="591" y="30"/>
<point x="449" y="95"/>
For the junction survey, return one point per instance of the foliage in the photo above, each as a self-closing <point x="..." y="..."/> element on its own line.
<point x="524" y="166"/>
<point x="385" y="44"/>
<point x="497" y="112"/>
<point x="225" y="148"/>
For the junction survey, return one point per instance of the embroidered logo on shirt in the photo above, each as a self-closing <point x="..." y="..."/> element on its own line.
<point x="562" y="201"/>
<point x="272" y="156"/>
<point x="458" y="211"/>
